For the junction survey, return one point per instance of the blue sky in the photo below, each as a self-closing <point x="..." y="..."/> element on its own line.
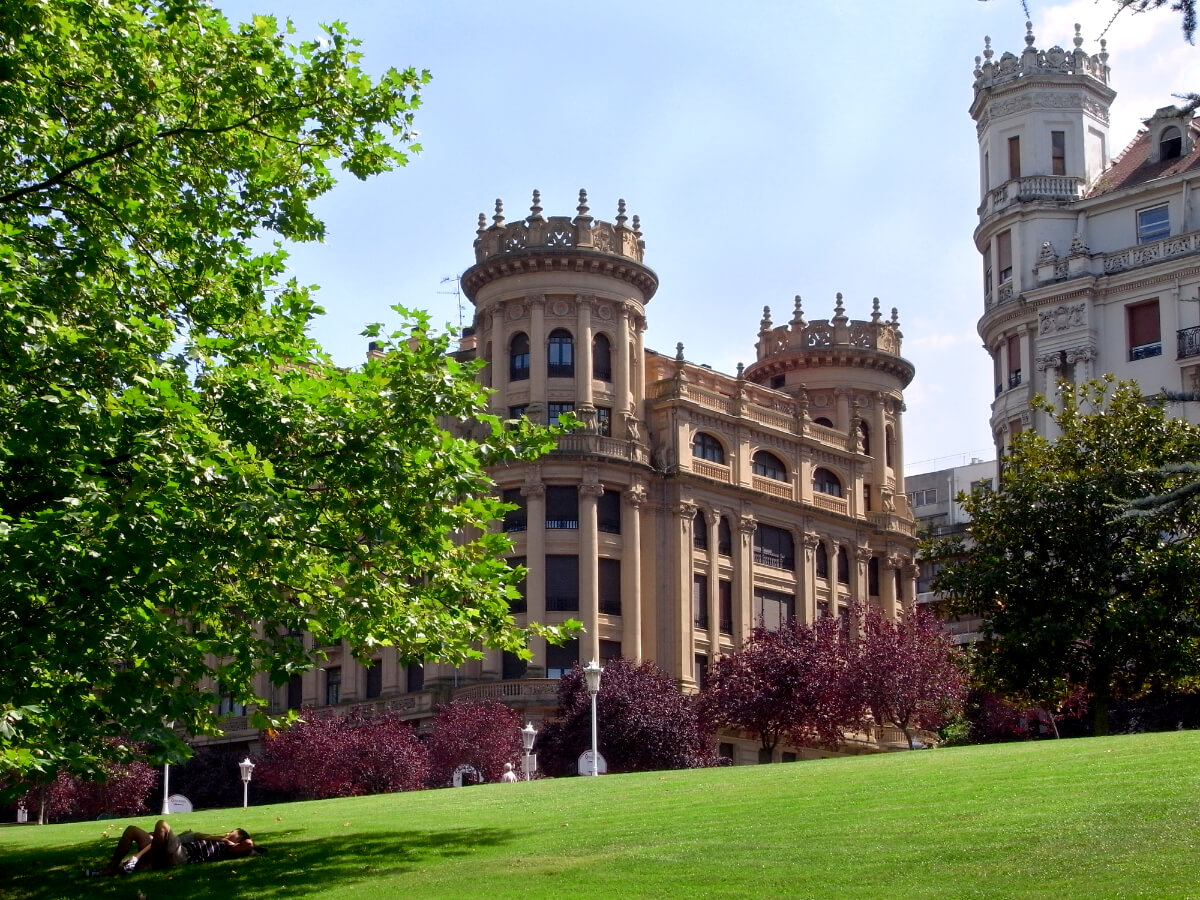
<point x="770" y="148"/>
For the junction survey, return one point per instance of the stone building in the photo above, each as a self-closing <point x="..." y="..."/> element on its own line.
<point x="690" y="504"/>
<point x="1090" y="261"/>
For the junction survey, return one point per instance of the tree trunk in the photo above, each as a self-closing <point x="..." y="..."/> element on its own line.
<point x="1100" y="714"/>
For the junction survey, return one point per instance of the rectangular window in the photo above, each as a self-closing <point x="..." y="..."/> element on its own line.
<point x="609" y="650"/>
<point x="374" y="679"/>
<point x="562" y="583"/>
<point x="415" y="676"/>
<point x="700" y="601"/>
<point x="774" y="547"/>
<point x="603" y="421"/>
<point x="1058" y="153"/>
<point x="295" y="692"/>
<point x="555" y="410"/>
<point x="1153" y="224"/>
<point x="1014" y="360"/>
<point x="1145" y="335"/>
<point x="562" y="507"/>
<point x="520" y="604"/>
<point x="512" y="666"/>
<point x="983" y="484"/>
<point x="1004" y="256"/>
<point x="610" y="586"/>
<point x="725" y="606"/>
<point x="514" y="519"/>
<point x="227" y="706"/>
<point x="773" y="609"/>
<point x="702" y="670"/>
<point x="561" y="659"/>
<point x="1014" y="157"/>
<point x="333" y="686"/>
<point x="922" y="498"/>
<point x="608" y="512"/>
<point x="517" y="412"/>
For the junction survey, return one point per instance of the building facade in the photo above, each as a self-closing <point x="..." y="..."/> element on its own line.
<point x="1091" y="262"/>
<point x="690" y="504"/>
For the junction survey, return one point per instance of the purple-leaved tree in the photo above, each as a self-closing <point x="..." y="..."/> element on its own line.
<point x="484" y="735"/>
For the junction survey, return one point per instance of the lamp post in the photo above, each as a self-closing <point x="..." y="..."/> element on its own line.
<point x="166" y="807"/>
<point x="592" y="672"/>
<point x="247" y="768"/>
<point x="528" y="736"/>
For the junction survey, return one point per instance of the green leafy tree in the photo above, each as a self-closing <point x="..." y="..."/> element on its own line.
<point x="1075" y="592"/>
<point x="187" y="481"/>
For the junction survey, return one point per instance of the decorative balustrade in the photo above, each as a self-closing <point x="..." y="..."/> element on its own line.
<point x="716" y="471"/>
<point x="773" y="487"/>
<point x="893" y="522"/>
<point x="1031" y="188"/>
<point x="1189" y="342"/>
<point x="525" y="692"/>
<point x="600" y="445"/>
<point x="558" y="233"/>
<point x="1033" y="63"/>
<point x="1155" y="251"/>
<point x="831" y="503"/>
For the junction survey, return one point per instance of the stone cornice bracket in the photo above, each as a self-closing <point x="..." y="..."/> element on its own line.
<point x="714" y="517"/>
<point x="1048" y="361"/>
<point x="747" y="525"/>
<point x="895" y="561"/>
<point x="636" y="495"/>
<point x="686" y="510"/>
<point x="533" y="489"/>
<point x="591" y="489"/>
<point x="811" y="542"/>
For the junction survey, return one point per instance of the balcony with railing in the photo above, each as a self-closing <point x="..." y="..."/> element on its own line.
<point x="1031" y="189"/>
<point x="524" y="692"/>
<point x="772" y="486"/>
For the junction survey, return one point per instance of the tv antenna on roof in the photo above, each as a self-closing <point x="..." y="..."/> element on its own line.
<point x="457" y="292"/>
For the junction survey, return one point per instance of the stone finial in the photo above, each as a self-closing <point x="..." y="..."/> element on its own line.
<point x="482" y="224"/>
<point x="1078" y="245"/>
<point x="1103" y="55"/>
<point x="1078" y="39"/>
<point x="637" y="226"/>
<point x="741" y="372"/>
<point x="875" y="314"/>
<point x="798" y="314"/>
<point x="765" y="324"/>
<point x="621" y="217"/>
<point x="498" y="218"/>
<point x="679" y="352"/>
<point x="535" y="211"/>
<point x="1047" y="254"/>
<point x="839" y="309"/>
<point x="895" y="316"/>
<point x="1029" y="34"/>
<point x="978" y="71"/>
<point x="582" y="209"/>
<point x="988" y="52"/>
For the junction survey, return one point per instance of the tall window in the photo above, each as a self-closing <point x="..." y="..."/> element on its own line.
<point x="843" y="566"/>
<point x="864" y="434"/>
<point x="333" y="686"/>
<point x="521" y="604"/>
<point x="705" y="446"/>
<point x="724" y="538"/>
<point x="873" y="576"/>
<point x="1153" y="223"/>
<point x="822" y="561"/>
<point x="562" y="507"/>
<point x="518" y="357"/>
<point x="825" y="482"/>
<point x="699" y="531"/>
<point x="562" y="583"/>
<point x="561" y="659"/>
<point x="1014" y="360"/>
<point x="609" y="650"/>
<point x="604" y="421"/>
<point x="1004" y="256"/>
<point x="1058" y="153"/>
<point x="561" y="355"/>
<point x="374" y="679"/>
<point x="514" y="519"/>
<point x="610" y="586"/>
<point x="608" y="512"/>
<point x="725" y="606"/>
<point x="415" y="676"/>
<point x="295" y="692"/>
<point x="700" y="601"/>
<point x="768" y="465"/>
<point x="773" y="608"/>
<point x="601" y="358"/>
<point x="1145" y="335"/>
<point x="702" y="670"/>
<point x="1014" y="157"/>
<point x="554" y="411"/>
<point x="1170" y="145"/>
<point x="773" y="547"/>
<point x="512" y="666"/>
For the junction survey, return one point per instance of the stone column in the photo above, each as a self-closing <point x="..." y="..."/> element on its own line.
<point x="621" y="352"/>
<point x="887" y="590"/>
<point x="538" y="355"/>
<point x="806" y="579"/>
<point x="583" y="356"/>
<point x="684" y="625"/>
<point x="499" y="338"/>
<point x="631" y="573"/>
<point x="898" y="437"/>
<point x="638" y="379"/>
<point x="589" y="566"/>
<point x="713" y="521"/>
<point x="535" y="561"/>
<point x="743" y="581"/>
<point x="909" y="584"/>
<point x="858" y="575"/>
<point x="843" y="407"/>
<point x="878" y="426"/>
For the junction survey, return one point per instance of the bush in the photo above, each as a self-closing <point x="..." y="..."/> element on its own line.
<point x="123" y="791"/>
<point x="484" y="735"/>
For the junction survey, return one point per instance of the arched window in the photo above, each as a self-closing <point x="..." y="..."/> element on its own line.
<point x="843" y="566"/>
<point x="864" y="434"/>
<point x="700" y="531"/>
<point x="825" y="482"/>
<point x="705" y="446"/>
<point x="1170" y="145"/>
<point x="823" y="420"/>
<point x="822" y="561"/>
<point x="768" y="465"/>
<point x="518" y="357"/>
<point x="601" y="358"/>
<point x="561" y="358"/>
<point x="724" y="538"/>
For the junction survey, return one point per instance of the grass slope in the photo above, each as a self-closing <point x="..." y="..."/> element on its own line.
<point x="1099" y="818"/>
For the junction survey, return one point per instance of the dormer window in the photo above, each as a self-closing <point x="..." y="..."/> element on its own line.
<point x="1170" y="143"/>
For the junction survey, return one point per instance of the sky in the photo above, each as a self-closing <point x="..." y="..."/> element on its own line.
<point x="770" y="148"/>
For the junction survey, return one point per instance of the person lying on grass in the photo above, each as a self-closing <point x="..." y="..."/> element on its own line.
<point x="164" y="848"/>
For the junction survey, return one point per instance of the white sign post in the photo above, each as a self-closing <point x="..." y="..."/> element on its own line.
<point x="592" y="765"/>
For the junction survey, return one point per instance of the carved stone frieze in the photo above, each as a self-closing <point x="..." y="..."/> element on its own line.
<point x="1062" y="318"/>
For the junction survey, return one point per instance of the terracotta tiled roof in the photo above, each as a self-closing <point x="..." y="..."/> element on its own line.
<point x="1131" y="169"/>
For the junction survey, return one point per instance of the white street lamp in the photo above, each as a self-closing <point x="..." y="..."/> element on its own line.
<point x="247" y="768"/>
<point x="166" y="807"/>
<point x="528" y="736"/>
<point x="592" y="672"/>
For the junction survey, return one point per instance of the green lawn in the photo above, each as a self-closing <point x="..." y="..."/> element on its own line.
<point x="1107" y="817"/>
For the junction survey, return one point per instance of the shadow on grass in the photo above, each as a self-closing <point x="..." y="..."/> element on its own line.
<point x="293" y="867"/>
